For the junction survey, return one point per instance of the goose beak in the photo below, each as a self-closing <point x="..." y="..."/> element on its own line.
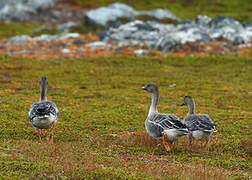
<point x="144" y="88"/>
<point x="182" y="104"/>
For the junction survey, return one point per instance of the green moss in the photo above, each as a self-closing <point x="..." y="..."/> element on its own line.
<point x="13" y="29"/>
<point x="101" y="98"/>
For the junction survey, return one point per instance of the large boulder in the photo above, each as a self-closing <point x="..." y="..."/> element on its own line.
<point x="102" y="16"/>
<point x="166" y="37"/>
<point x="20" y="10"/>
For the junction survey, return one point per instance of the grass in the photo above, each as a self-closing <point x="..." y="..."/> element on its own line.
<point x="9" y="29"/>
<point x="101" y="134"/>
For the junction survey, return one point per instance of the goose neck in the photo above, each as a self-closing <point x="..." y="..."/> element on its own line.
<point x="191" y="107"/>
<point x="153" y="107"/>
<point x="43" y="93"/>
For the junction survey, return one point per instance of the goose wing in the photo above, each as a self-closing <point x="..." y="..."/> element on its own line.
<point x="167" y="121"/>
<point x="45" y="108"/>
<point x="201" y="122"/>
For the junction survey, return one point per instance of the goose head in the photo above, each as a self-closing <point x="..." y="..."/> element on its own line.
<point x="152" y="88"/>
<point x="188" y="100"/>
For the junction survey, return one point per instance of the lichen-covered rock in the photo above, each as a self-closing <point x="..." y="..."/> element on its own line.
<point x="44" y="37"/>
<point x="20" y="10"/>
<point x="103" y="15"/>
<point x="166" y="37"/>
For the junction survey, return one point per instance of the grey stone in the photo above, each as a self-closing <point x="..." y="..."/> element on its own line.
<point x="172" y="85"/>
<point x="141" y="52"/>
<point x="238" y="40"/>
<point x="166" y="43"/>
<point x="22" y="52"/>
<point x="159" y="14"/>
<point x="79" y="41"/>
<point x="166" y="37"/>
<point x="222" y="21"/>
<point x="97" y="44"/>
<point x="19" y="10"/>
<point x="128" y="43"/>
<point x="80" y="49"/>
<point x="103" y="15"/>
<point x="20" y="39"/>
<point x="66" y="26"/>
<point x="44" y="37"/>
<point x="66" y="51"/>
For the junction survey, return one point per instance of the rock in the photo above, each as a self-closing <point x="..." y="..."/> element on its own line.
<point x="167" y="37"/>
<point x="222" y="21"/>
<point x="64" y="36"/>
<point x="20" y="39"/>
<point x="66" y="51"/>
<point x="13" y="10"/>
<point x="141" y="52"/>
<point x="172" y="85"/>
<point x="66" y="26"/>
<point x="159" y="14"/>
<point x="238" y="40"/>
<point x="202" y="20"/>
<point x="79" y="41"/>
<point x="80" y="49"/>
<point x="103" y="15"/>
<point x="247" y="25"/>
<point x="44" y="37"/>
<point x="127" y="43"/>
<point x="22" y="52"/>
<point x="97" y="44"/>
<point x="166" y="43"/>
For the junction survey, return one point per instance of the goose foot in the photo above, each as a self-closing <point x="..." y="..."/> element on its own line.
<point x="168" y="146"/>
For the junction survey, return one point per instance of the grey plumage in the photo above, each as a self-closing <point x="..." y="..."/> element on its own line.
<point x="200" y="126"/>
<point x="166" y="127"/>
<point x="201" y="122"/>
<point x="43" y="114"/>
<point x="157" y="123"/>
<point x="43" y="110"/>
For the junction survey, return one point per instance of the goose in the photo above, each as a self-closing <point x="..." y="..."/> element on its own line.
<point x="44" y="114"/>
<point x="200" y="126"/>
<point x="166" y="127"/>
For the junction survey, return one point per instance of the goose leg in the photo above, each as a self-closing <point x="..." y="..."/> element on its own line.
<point x="169" y="146"/>
<point x="50" y="137"/>
<point x="39" y="135"/>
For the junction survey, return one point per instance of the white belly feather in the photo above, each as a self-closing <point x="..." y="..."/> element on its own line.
<point x="173" y="134"/>
<point x="201" y="134"/>
<point x="43" y="122"/>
